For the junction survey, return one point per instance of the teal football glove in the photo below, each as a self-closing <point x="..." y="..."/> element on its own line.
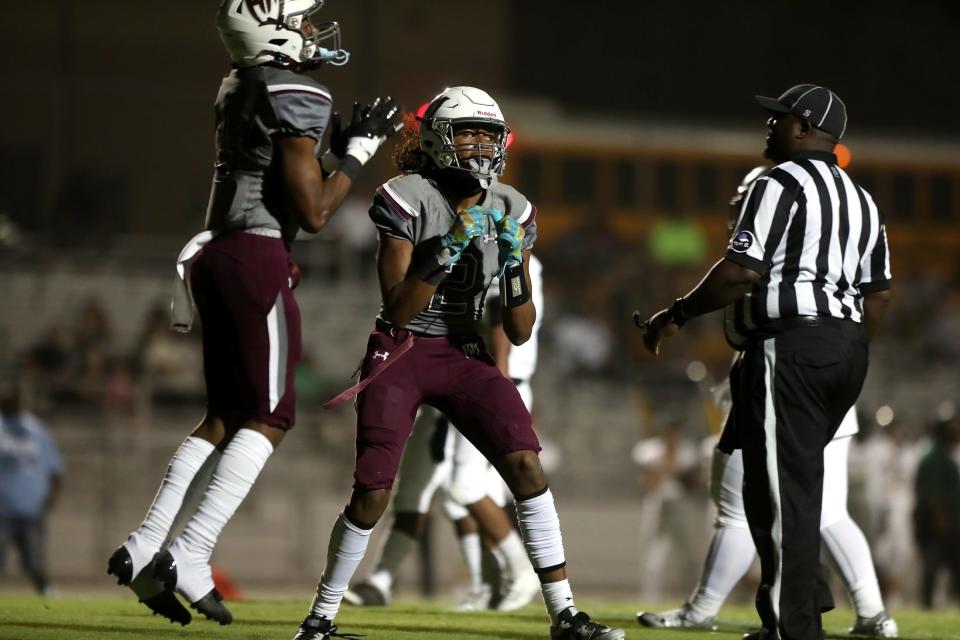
<point x="509" y="241"/>
<point x="469" y="224"/>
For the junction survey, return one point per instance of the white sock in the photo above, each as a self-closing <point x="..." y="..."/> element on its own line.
<point x="239" y="467"/>
<point x="470" y="548"/>
<point x="540" y="526"/>
<point x="512" y="550"/>
<point x="501" y="559"/>
<point x="851" y="553"/>
<point x="557" y="596"/>
<point x="731" y="553"/>
<point x="395" y="549"/>
<point x="146" y="541"/>
<point x="348" y="543"/>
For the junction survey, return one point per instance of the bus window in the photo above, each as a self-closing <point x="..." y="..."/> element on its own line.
<point x="666" y="185"/>
<point x="706" y="187"/>
<point x="579" y="180"/>
<point x="941" y="196"/>
<point x="904" y="195"/>
<point x="626" y="185"/>
<point x="531" y="176"/>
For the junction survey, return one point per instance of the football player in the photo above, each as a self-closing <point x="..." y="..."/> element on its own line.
<point x="447" y="227"/>
<point x="731" y="548"/>
<point x="437" y="457"/>
<point x="268" y="183"/>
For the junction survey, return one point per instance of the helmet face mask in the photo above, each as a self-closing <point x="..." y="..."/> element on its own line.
<point x="457" y="108"/>
<point x="278" y="31"/>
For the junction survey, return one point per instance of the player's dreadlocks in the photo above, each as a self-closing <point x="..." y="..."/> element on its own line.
<point x="407" y="155"/>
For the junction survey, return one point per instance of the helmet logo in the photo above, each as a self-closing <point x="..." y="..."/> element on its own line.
<point x="264" y="10"/>
<point x="487" y="114"/>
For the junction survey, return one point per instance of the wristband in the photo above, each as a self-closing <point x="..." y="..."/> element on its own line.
<point x="513" y="287"/>
<point x="432" y="268"/>
<point x="329" y="162"/>
<point x="676" y="313"/>
<point x="350" y="167"/>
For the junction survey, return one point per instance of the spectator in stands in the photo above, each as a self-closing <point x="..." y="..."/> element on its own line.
<point x="47" y="363"/>
<point x="170" y="363"/>
<point x="30" y="478"/>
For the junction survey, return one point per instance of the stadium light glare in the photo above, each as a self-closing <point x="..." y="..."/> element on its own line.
<point x="696" y="371"/>
<point x="884" y="415"/>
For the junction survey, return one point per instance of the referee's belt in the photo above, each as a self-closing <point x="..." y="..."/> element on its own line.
<point x="783" y="325"/>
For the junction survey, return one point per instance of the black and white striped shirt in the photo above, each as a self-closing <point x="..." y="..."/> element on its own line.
<point x="817" y="239"/>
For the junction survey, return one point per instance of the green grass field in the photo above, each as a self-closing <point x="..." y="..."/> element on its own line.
<point x="26" y="618"/>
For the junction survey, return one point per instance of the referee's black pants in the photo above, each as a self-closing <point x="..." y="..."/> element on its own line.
<point x="796" y="383"/>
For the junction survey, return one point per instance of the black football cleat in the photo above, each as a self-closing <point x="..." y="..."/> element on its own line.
<point x="210" y="605"/>
<point x="120" y="565"/>
<point x="166" y="604"/>
<point x="160" y="602"/>
<point x="319" y="628"/>
<point x="581" y="627"/>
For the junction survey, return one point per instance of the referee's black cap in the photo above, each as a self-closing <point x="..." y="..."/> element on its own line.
<point x="818" y="105"/>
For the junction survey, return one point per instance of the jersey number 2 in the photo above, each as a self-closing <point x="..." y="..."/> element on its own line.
<point x="456" y="294"/>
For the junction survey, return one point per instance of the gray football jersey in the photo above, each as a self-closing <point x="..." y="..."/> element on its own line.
<point x="411" y="207"/>
<point x="254" y="107"/>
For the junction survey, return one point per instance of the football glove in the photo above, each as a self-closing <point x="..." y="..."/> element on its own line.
<point x="470" y="223"/>
<point x="369" y="127"/>
<point x="509" y="242"/>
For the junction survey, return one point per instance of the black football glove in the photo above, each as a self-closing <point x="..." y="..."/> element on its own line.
<point x="370" y="126"/>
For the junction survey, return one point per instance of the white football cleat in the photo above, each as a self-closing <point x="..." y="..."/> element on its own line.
<point x="476" y="599"/>
<point x="367" y="594"/>
<point x="518" y="590"/>
<point x="879" y="626"/>
<point x="675" y="618"/>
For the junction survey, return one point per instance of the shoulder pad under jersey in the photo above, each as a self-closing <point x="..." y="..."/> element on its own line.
<point x="301" y="105"/>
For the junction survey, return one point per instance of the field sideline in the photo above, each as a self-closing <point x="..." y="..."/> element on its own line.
<point x="107" y="618"/>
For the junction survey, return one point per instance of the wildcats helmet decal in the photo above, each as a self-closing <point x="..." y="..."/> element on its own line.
<point x="262" y="10"/>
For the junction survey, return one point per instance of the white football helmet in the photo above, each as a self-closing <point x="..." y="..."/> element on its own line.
<point x="259" y="31"/>
<point x="458" y="106"/>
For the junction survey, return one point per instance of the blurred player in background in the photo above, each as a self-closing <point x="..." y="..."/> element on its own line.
<point x="268" y="184"/>
<point x="936" y="516"/>
<point x="31" y="477"/>
<point x="731" y="548"/>
<point x="447" y="227"/>
<point x="437" y="457"/>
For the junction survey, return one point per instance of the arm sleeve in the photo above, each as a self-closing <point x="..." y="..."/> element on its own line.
<point x="391" y="218"/>
<point x="299" y="110"/>
<point x="875" y="264"/>
<point x="765" y="209"/>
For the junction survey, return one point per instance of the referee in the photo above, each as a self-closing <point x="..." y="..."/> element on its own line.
<point x="809" y="255"/>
